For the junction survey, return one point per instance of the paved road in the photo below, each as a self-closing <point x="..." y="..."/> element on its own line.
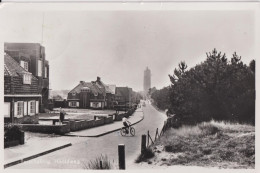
<point x="83" y="151"/>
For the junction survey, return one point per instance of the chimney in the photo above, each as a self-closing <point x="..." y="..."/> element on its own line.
<point x="98" y="79"/>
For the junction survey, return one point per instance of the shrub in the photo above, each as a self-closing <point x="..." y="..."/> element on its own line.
<point x="11" y="132"/>
<point x="101" y="162"/>
<point x="146" y="154"/>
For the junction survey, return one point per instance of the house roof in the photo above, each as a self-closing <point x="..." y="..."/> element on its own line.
<point x="104" y="87"/>
<point x="112" y="88"/>
<point x="13" y="68"/>
<point x="96" y="87"/>
<point x="89" y="85"/>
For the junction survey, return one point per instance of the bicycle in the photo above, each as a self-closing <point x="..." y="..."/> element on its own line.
<point x="131" y="130"/>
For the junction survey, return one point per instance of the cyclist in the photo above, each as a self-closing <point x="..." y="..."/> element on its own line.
<point x="126" y="123"/>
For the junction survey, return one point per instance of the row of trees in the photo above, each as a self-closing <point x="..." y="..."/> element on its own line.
<point x="215" y="89"/>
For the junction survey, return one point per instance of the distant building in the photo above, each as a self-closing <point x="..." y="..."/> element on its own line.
<point x="95" y="95"/>
<point x="123" y="98"/>
<point x="21" y="93"/>
<point x="147" y="80"/>
<point x="31" y="57"/>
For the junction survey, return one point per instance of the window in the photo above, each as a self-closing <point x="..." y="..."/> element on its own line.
<point x="24" y="64"/>
<point x="95" y="104"/>
<point x="19" y="108"/>
<point x="74" y="104"/>
<point x="46" y="72"/>
<point x="39" y="68"/>
<point x="32" y="107"/>
<point x="27" y="78"/>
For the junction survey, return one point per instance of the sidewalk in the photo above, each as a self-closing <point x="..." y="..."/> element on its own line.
<point x="108" y="128"/>
<point x="37" y="144"/>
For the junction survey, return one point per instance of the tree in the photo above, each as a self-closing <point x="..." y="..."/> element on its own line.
<point x="215" y="89"/>
<point x="57" y="97"/>
<point x="161" y="98"/>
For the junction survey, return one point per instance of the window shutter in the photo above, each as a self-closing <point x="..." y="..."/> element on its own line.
<point x="25" y="108"/>
<point x="7" y="109"/>
<point x="77" y="104"/>
<point x="29" y="107"/>
<point x="69" y="104"/>
<point x="37" y="107"/>
<point x="15" y="108"/>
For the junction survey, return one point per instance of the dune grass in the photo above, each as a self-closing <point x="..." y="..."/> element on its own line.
<point x="212" y="144"/>
<point x="101" y="162"/>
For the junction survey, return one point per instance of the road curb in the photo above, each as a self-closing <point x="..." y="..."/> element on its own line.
<point x="35" y="156"/>
<point x="102" y="134"/>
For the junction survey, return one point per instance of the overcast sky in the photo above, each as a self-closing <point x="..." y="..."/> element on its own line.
<point x="118" y="45"/>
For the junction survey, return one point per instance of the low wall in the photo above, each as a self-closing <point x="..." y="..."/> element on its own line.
<point x="119" y="117"/>
<point x="34" y="119"/>
<point x="109" y="120"/>
<point x="57" y="129"/>
<point x="11" y="143"/>
<point x="74" y="125"/>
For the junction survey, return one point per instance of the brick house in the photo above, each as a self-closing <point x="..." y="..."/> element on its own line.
<point x="95" y="95"/>
<point x="31" y="56"/>
<point x="21" y="93"/>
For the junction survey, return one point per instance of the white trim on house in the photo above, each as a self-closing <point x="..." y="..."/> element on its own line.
<point x="23" y="95"/>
